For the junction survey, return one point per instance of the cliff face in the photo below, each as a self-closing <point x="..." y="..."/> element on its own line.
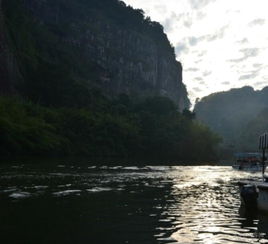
<point x="5" y="79"/>
<point x="102" y="44"/>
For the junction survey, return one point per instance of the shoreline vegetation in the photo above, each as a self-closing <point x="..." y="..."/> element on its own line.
<point x="150" y="129"/>
<point x="62" y="161"/>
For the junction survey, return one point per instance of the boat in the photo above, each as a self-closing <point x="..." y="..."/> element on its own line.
<point x="254" y="194"/>
<point x="249" y="161"/>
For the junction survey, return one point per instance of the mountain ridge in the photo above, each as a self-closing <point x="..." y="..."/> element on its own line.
<point x="231" y="115"/>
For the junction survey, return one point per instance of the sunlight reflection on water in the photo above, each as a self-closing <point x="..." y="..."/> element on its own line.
<point x="184" y="204"/>
<point x="209" y="212"/>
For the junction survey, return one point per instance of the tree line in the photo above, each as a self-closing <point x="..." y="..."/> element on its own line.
<point x="148" y="129"/>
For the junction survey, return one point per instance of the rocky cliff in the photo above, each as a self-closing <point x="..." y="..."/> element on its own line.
<point x="8" y="69"/>
<point x="98" y="44"/>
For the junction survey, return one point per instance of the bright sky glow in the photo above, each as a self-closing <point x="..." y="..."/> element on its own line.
<point x="222" y="44"/>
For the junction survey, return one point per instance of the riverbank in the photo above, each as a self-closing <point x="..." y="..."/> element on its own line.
<point x="100" y="161"/>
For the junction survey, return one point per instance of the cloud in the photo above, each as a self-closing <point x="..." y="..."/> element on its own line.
<point x="178" y="17"/>
<point x="248" y="76"/>
<point x="200" y="15"/>
<point x="184" y="18"/>
<point x="257" y="65"/>
<point x="168" y="25"/>
<point x="206" y="73"/>
<point x="188" y="23"/>
<point x="170" y="21"/>
<point x="260" y="83"/>
<point x="236" y="60"/>
<point x="197" y="89"/>
<point x="243" y="41"/>
<point x="202" y="53"/>
<point x="257" y="22"/>
<point x="199" y="78"/>
<point x="198" y="4"/>
<point x="217" y="35"/>
<point x="225" y="83"/>
<point x="192" y="70"/>
<point x="247" y="53"/>
<point x="194" y="40"/>
<point x="180" y="48"/>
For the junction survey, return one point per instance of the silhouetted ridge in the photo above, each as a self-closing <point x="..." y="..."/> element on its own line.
<point x="237" y="115"/>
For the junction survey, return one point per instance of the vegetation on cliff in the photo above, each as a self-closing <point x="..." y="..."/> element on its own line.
<point x="62" y="105"/>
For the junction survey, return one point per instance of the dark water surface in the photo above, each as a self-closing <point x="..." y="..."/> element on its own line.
<point x="72" y="204"/>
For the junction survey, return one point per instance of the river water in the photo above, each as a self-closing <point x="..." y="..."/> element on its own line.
<point x="88" y="204"/>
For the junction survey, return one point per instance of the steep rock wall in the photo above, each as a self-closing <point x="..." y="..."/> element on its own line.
<point x="5" y="84"/>
<point x="123" y="59"/>
<point x="9" y="71"/>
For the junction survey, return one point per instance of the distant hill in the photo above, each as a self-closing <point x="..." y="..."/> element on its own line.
<point x="238" y="115"/>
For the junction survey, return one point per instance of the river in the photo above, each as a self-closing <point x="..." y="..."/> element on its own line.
<point x="139" y="205"/>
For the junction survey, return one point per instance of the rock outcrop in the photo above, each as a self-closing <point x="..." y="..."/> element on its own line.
<point x="110" y="47"/>
<point x="5" y="83"/>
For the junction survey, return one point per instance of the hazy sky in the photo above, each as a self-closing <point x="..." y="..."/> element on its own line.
<point x="221" y="43"/>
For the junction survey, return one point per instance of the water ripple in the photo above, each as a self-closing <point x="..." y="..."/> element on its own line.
<point x="183" y="204"/>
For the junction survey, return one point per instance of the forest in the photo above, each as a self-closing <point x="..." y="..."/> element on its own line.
<point x="150" y="129"/>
